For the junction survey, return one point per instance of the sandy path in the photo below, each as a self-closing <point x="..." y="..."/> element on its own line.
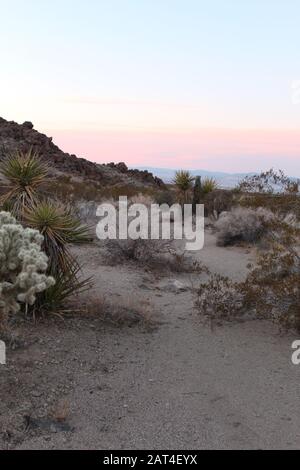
<point x="182" y="386"/>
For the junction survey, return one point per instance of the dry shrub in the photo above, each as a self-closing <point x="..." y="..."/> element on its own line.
<point x="179" y="262"/>
<point x="242" y="225"/>
<point x="68" y="189"/>
<point x="141" y="198"/>
<point x="165" y="197"/>
<point x="272" y="190"/>
<point x="157" y="255"/>
<point x="273" y="287"/>
<point x="219" y="298"/>
<point x="269" y="182"/>
<point x="86" y="210"/>
<point x="271" y="290"/>
<point x="146" y="252"/>
<point x="126" y="190"/>
<point x="217" y="201"/>
<point x="131" y="313"/>
<point x="72" y="190"/>
<point x="281" y="204"/>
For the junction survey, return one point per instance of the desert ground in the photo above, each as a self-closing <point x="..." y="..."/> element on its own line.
<point x="142" y="370"/>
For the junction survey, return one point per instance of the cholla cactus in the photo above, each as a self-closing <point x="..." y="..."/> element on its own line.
<point x="22" y="265"/>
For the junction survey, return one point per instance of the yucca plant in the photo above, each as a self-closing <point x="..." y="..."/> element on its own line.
<point x="68" y="284"/>
<point x="183" y="181"/>
<point x="209" y="185"/>
<point x="59" y="228"/>
<point x="24" y="174"/>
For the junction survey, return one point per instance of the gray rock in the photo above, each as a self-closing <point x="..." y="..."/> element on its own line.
<point x="175" y="286"/>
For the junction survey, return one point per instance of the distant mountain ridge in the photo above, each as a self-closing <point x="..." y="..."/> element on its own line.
<point x="225" y="180"/>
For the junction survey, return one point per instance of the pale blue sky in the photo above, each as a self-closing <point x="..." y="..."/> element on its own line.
<point x="168" y="67"/>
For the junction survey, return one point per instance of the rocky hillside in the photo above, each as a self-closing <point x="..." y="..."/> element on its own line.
<point x="23" y="136"/>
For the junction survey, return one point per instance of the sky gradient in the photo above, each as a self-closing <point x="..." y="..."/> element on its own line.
<point x="165" y="83"/>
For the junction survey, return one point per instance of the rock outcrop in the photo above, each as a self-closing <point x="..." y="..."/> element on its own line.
<point x="15" y="136"/>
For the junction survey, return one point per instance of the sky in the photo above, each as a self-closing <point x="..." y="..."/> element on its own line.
<point x="161" y="83"/>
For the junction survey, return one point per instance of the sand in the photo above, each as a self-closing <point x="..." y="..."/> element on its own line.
<point x="178" y="385"/>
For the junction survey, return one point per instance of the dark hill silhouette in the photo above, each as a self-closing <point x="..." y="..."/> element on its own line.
<point x="15" y="136"/>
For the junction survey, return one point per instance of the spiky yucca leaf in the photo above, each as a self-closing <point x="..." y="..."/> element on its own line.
<point x="59" y="228"/>
<point x="56" y="299"/>
<point x="183" y="180"/>
<point x="25" y="173"/>
<point x="209" y="185"/>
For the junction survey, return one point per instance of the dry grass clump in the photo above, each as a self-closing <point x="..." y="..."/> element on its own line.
<point x="243" y="225"/>
<point x="123" y="314"/>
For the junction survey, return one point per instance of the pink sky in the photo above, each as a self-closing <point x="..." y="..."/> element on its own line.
<point x="228" y="150"/>
<point x="169" y="83"/>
